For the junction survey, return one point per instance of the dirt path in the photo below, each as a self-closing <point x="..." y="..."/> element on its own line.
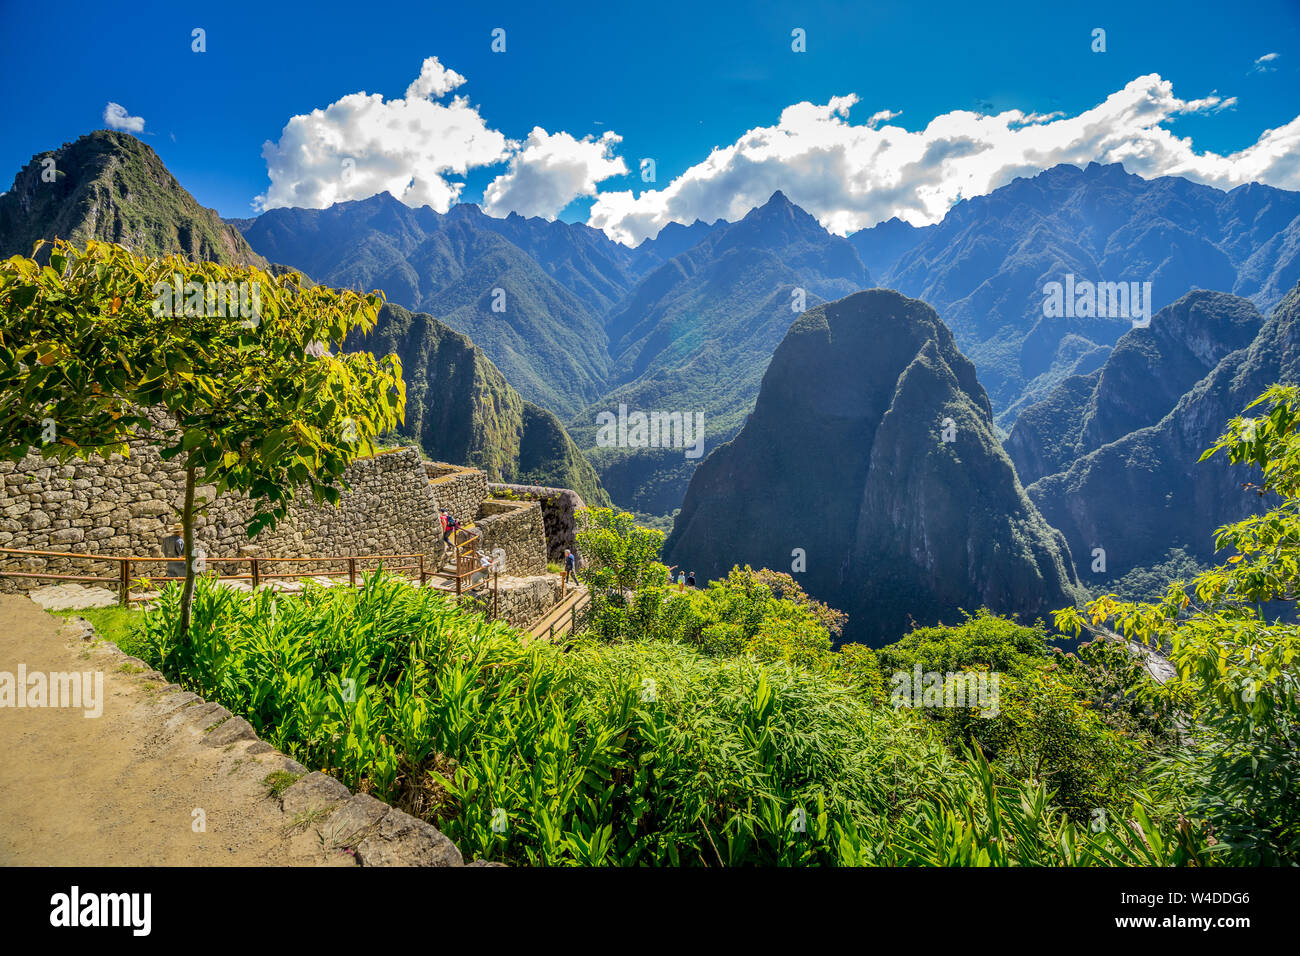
<point x="123" y="788"/>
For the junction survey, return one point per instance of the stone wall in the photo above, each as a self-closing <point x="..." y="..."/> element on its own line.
<point x="516" y="528"/>
<point x="124" y="506"/>
<point x="521" y="601"/>
<point x="459" y="490"/>
<point x="559" y="514"/>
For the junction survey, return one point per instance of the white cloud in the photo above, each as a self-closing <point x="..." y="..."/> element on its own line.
<point x="434" y="80"/>
<point x="1265" y="63"/>
<point x="550" y="171"/>
<point x="851" y="176"/>
<point x="363" y="144"/>
<point x="116" y="117"/>
<point x="884" y="116"/>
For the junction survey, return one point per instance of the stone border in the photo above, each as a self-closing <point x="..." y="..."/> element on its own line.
<point x="375" y="833"/>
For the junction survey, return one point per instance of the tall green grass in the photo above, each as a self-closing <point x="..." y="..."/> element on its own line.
<point x="640" y="753"/>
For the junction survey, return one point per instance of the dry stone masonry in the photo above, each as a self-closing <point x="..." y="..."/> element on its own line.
<point x="458" y="489"/>
<point x="125" y="505"/>
<point x="559" y="513"/>
<point x="522" y="601"/>
<point x="515" y="527"/>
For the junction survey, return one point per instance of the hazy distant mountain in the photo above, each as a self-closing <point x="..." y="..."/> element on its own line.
<point x="844" y="465"/>
<point x="1139" y="495"/>
<point x="696" y="334"/>
<point x="584" y="260"/>
<point x="578" y="323"/>
<point x="985" y="265"/>
<point x="111" y="186"/>
<point x="882" y="245"/>
<point x="535" y="323"/>
<point x="672" y="240"/>
<point x="687" y="321"/>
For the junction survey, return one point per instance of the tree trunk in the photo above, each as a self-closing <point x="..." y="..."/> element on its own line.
<point x="187" y="533"/>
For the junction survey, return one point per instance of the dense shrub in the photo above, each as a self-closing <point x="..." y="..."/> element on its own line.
<point x="983" y="641"/>
<point x="1045" y="724"/>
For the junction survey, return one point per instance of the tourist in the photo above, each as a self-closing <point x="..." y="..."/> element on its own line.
<point x="690" y="580"/>
<point x="173" y="546"/>
<point x="681" y="580"/>
<point x="570" y="566"/>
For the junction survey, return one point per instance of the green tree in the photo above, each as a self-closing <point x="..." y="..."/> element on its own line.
<point x="1237" y="668"/>
<point x="1046" y="723"/>
<point x="623" y="573"/>
<point x="237" y="372"/>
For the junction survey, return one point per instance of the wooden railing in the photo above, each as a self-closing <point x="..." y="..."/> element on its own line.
<point x="465" y="561"/>
<point x="257" y="568"/>
<point x="563" y="618"/>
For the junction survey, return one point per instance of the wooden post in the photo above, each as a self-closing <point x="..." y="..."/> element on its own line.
<point x="125" y="583"/>
<point x="256" y="574"/>
<point x="422" y="577"/>
<point x="496" y="592"/>
<point x="352" y="571"/>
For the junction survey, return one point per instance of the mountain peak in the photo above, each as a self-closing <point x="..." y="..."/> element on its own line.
<point x="779" y="208"/>
<point x="851" y="410"/>
<point x="383" y="198"/>
<point x="112" y="186"/>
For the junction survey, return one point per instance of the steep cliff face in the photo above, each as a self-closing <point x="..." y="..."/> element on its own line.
<point x="1145" y="493"/>
<point x="844" y="466"/>
<point x="461" y="409"/>
<point x="111" y="186"/>
<point x="1144" y="376"/>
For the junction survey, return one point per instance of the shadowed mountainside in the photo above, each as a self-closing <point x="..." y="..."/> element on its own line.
<point x="844" y="458"/>
<point x="460" y="408"/>
<point x="1145" y="493"/>
<point x="984" y="266"/>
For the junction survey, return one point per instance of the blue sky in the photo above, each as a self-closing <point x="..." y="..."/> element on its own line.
<point x="673" y="80"/>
